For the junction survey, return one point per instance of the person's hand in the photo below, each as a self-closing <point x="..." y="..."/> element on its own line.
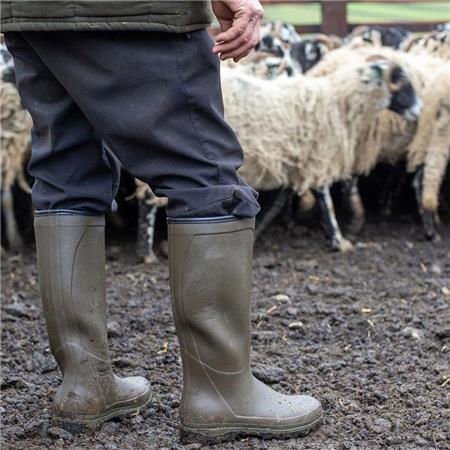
<point x="239" y="22"/>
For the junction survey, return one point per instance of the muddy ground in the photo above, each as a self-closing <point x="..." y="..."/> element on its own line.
<point x="367" y="332"/>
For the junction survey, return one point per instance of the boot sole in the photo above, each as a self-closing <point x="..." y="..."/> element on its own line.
<point x="89" y="423"/>
<point x="211" y="436"/>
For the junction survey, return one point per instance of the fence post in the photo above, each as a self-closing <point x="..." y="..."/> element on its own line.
<point x="334" y="17"/>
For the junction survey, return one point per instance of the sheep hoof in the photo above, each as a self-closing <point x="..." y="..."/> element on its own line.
<point x="355" y="225"/>
<point x="150" y="259"/>
<point x="433" y="237"/>
<point x="343" y="246"/>
<point x="163" y="249"/>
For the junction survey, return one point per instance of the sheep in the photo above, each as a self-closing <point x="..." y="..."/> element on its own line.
<point x="436" y="43"/>
<point x="276" y="37"/>
<point x="271" y="56"/>
<point x="148" y="204"/>
<point x="265" y="62"/>
<point x="15" y="147"/>
<point x="429" y="152"/>
<point x="299" y="57"/>
<point x="387" y="138"/>
<point x="378" y="36"/>
<point x="308" y="139"/>
<point x="392" y="148"/>
<point x="304" y="55"/>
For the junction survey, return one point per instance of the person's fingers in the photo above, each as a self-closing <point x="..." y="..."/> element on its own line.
<point x="239" y="26"/>
<point x="242" y="56"/>
<point x="242" y="18"/>
<point x="237" y="31"/>
<point x="240" y="41"/>
<point x="225" y="24"/>
<point x="242" y="50"/>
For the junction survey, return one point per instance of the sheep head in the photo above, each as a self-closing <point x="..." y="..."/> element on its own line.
<point x="403" y="98"/>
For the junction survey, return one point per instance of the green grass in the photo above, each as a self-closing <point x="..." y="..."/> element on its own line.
<point x="362" y="12"/>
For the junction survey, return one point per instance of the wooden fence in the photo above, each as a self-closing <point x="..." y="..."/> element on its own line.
<point x="334" y="16"/>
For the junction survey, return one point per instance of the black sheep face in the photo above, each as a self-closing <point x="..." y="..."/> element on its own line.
<point x="305" y="54"/>
<point x="390" y="36"/>
<point x="276" y="37"/>
<point x="288" y="34"/>
<point x="270" y="44"/>
<point x="404" y="100"/>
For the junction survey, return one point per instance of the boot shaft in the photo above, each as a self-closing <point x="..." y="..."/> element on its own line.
<point x="71" y="265"/>
<point x="211" y="278"/>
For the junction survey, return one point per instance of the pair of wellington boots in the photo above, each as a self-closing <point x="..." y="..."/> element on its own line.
<point x="210" y="272"/>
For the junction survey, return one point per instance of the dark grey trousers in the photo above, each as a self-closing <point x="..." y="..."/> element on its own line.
<point x="152" y="100"/>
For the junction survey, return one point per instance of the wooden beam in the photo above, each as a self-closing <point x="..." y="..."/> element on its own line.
<point x="334" y="18"/>
<point x="308" y="29"/>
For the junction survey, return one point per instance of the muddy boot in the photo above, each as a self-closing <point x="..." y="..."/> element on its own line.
<point x="71" y="265"/>
<point x="211" y="279"/>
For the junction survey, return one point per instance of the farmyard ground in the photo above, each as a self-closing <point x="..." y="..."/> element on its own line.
<point x="366" y="332"/>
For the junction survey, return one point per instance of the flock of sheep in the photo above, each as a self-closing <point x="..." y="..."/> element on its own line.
<point x="309" y="113"/>
<point x="330" y="111"/>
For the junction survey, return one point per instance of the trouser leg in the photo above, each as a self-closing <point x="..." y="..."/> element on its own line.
<point x="71" y="167"/>
<point x="155" y="99"/>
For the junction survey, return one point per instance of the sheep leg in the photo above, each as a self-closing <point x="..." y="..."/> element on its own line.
<point x="272" y="213"/>
<point x="426" y="217"/>
<point x="354" y="204"/>
<point x="401" y="172"/>
<point x="328" y="216"/>
<point x="386" y="194"/>
<point x="12" y="233"/>
<point x="288" y="211"/>
<point x="146" y="231"/>
<point x="392" y="189"/>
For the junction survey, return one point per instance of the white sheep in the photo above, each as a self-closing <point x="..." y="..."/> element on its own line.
<point x="389" y="135"/>
<point x="15" y="151"/>
<point x="302" y="132"/>
<point x="436" y="43"/>
<point x="429" y="152"/>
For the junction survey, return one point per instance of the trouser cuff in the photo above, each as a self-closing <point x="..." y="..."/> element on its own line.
<point x="67" y="218"/>
<point x="210" y="225"/>
<point x="194" y="220"/>
<point x="65" y="212"/>
<point x="211" y="201"/>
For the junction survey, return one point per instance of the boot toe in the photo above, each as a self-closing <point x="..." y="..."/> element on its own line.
<point x="307" y="408"/>
<point x="135" y="390"/>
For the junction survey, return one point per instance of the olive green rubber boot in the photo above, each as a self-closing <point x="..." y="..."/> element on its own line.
<point x="71" y="266"/>
<point x="211" y="279"/>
